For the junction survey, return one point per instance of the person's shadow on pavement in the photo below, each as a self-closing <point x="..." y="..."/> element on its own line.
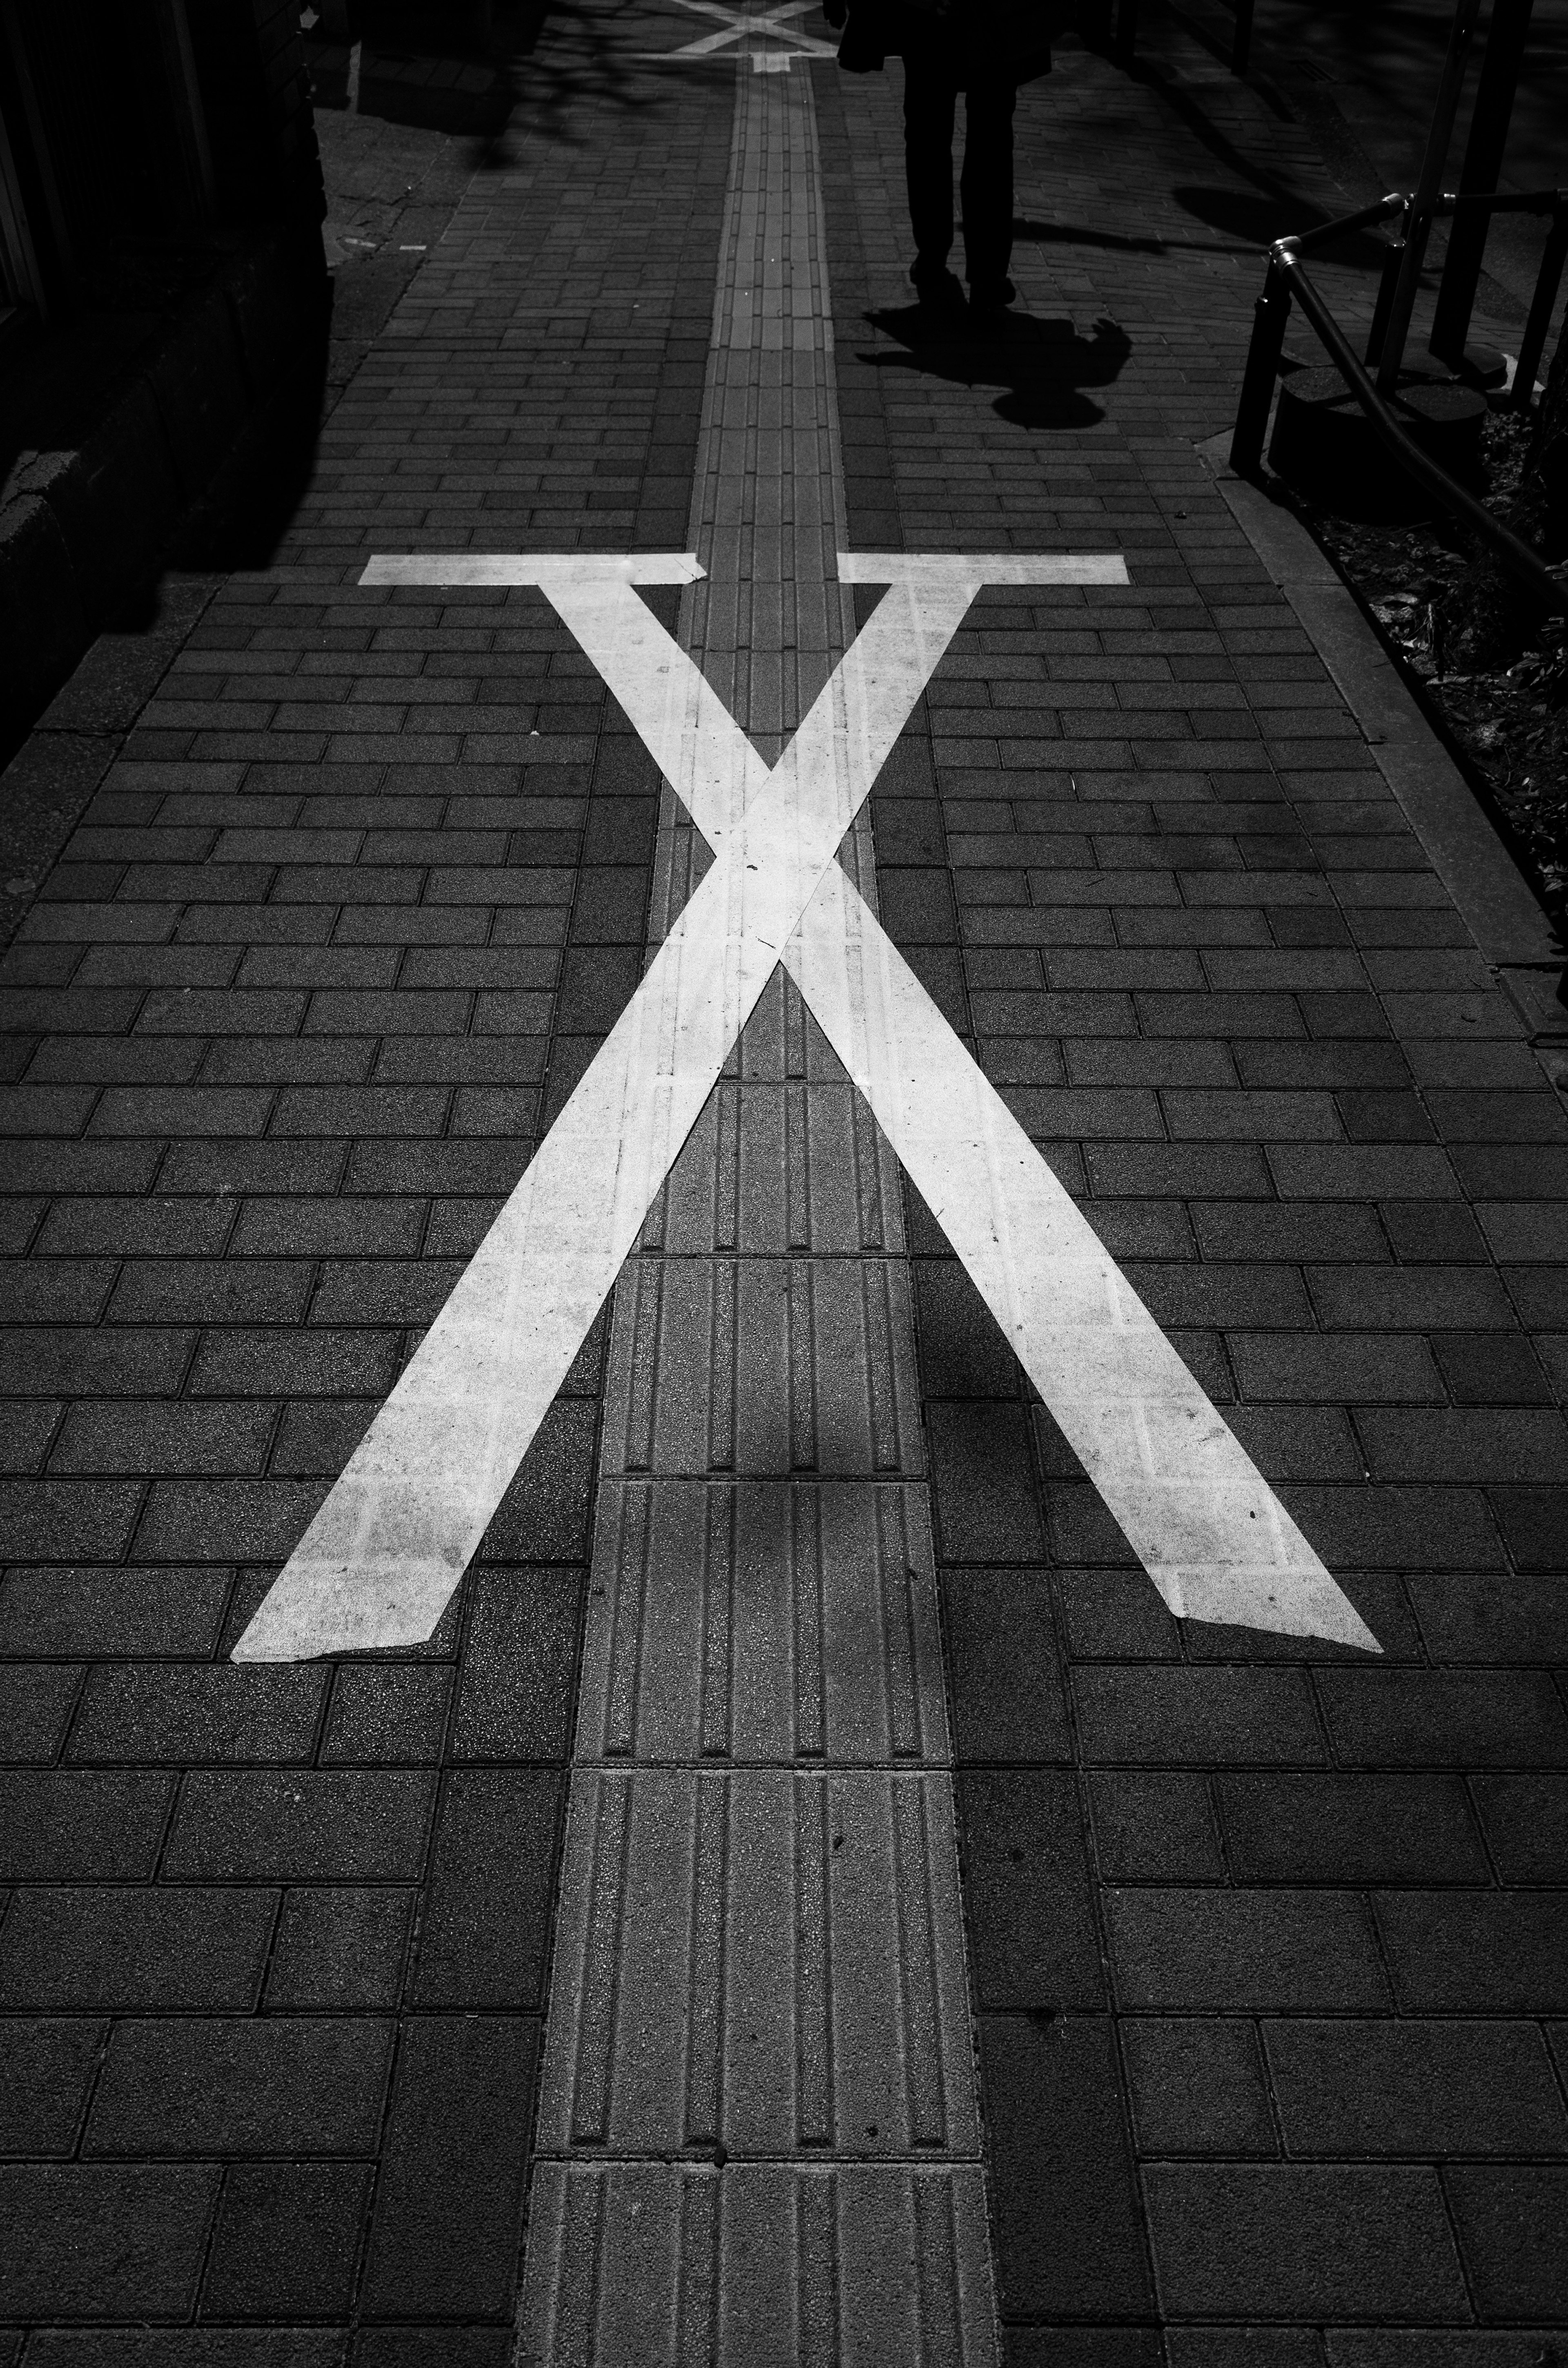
<point x="1042" y="365"/>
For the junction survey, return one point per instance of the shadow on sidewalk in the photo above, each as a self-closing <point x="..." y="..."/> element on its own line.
<point x="464" y="72"/>
<point x="1041" y="366"/>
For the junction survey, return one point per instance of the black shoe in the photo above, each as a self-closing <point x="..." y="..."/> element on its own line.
<point x="988" y="305"/>
<point x="940" y="291"/>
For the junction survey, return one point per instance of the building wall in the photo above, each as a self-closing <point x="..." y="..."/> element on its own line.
<point x="160" y="218"/>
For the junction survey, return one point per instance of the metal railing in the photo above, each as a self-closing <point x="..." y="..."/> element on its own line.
<point x="1287" y="282"/>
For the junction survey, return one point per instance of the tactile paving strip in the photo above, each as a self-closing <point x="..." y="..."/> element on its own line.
<point x="758" y="2138"/>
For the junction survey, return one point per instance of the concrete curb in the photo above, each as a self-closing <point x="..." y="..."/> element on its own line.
<point x="1495" y="900"/>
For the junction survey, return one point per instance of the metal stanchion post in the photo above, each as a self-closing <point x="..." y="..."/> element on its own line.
<point x="1243" y="49"/>
<point x="1482" y="165"/>
<point x="1533" y="342"/>
<point x="1382" y="310"/>
<point x="1269" y="316"/>
<point x="1429" y="189"/>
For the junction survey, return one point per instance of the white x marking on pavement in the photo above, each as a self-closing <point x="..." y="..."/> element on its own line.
<point x="378" y="1563"/>
<point x="743" y="25"/>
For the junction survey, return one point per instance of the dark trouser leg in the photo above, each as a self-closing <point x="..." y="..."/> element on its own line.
<point x="987" y="188"/>
<point x="929" y="163"/>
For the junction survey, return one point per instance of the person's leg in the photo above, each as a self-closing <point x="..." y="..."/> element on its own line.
<point x="928" y="166"/>
<point x="987" y="189"/>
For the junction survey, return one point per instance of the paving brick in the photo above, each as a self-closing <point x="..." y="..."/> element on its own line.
<point x="1491" y="1368"/>
<point x="1032" y="1938"/>
<point x="1524" y="1821"/>
<point x="1354" y="1298"/>
<point x="486" y="1926"/>
<point x="1421" y="1231"/>
<point x="1510" y="2231"/>
<point x="121" y="1438"/>
<point x="61" y="1826"/>
<point x="1473" y="1719"/>
<point x="383" y="1291"/>
<point x="434" y="2347"/>
<point x="84" y="2240"/>
<point x="1494" y="1952"/>
<point x="546" y="1512"/>
<point x="1170" y="1715"/>
<point x="305" y="1827"/>
<point x="1347" y="1367"/>
<point x="1441" y="2089"/>
<point x="387" y="1714"/>
<point x="1149" y="1826"/>
<point x="1244" y="1296"/>
<point x="108" y="1613"/>
<point x="1225" y="1229"/>
<point x="1520" y="1445"/>
<point x="136" y="1228"/>
<point x="314" y="2084"/>
<point x="1244" y="1951"/>
<point x="448" y="2204"/>
<point x="515" y="1696"/>
<point x="109" y="1948"/>
<point x="244" y="1362"/>
<point x="1394" y="1527"/>
<point x="339" y="1951"/>
<point x="1346" y="2242"/>
<point x="1298" y="1443"/>
<point x="984" y="1490"/>
<point x="1492" y="1117"/>
<point x="195" y="1290"/>
<point x="286" y="2240"/>
<point x="59" y="1292"/>
<point x="36" y="1705"/>
<point x="184" y="1714"/>
<point x="1428" y="2347"/>
<point x="1333" y="1828"/>
<point x="25" y="1436"/>
<point x="362" y="1227"/>
<point x="1534" y="1523"/>
<point x="1067" y="2235"/>
<point x="46" y="2072"/>
<point x="1005" y="1685"/>
<point x="246" y="1521"/>
<point x="1116" y="1616"/>
<point x="963" y="1351"/>
<point x="1198" y="2087"/>
<point x="1255" y="2347"/>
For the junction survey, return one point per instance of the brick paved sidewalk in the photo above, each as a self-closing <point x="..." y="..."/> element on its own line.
<point x="1266" y="1942"/>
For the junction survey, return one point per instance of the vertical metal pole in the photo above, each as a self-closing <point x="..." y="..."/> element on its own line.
<point x="1533" y="342"/>
<point x="1243" y="50"/>
<point x="1269" y="316"/>
<point x="1482" y="167"/>
<point x="1393" y="263"/>
<point x="1428" y="188"/>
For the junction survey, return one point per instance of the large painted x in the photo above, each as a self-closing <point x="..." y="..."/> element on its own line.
<point x="382" y="1558"/>
<point x="744" y="25"/>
